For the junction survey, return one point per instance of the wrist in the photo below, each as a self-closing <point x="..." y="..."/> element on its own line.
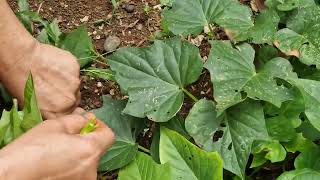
<point x="20" y="52"/>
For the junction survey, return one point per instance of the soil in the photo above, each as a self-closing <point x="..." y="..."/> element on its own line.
<point x="134" y="29"/>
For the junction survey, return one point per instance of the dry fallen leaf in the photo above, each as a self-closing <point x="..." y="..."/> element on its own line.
<point x="294" y="52"/>
<point x="229" y="33"/>
<point x="257" y="5"/>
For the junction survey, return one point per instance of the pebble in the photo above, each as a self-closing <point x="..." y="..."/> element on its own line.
<point x="99" y="84"/>
<point x="84" y="19"/>
<point x="111" y="43"/>
<point x="111" y="92"/>
<point x="129" y="8"/>
<point x="139" y="27"/>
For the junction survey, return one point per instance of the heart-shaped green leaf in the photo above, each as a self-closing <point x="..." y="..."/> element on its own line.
<point x="187" y="160"/>
<point x="237" y="128"/>
<point x="155" y="77"/>
<point x="233" y="72"/>
<point x="125" y="148"/>
<point x="144" y="168"/>
<point x="191" y="16"/>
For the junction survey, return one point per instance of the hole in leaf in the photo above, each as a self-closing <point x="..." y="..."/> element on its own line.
<point x="190" y="158"/>
<point x="236" y="91"/>
<point x="223" y="125"/>
<point x="168" y="112"/>
<point x="243" y="95"/>
<point x="230" y="146"/>
<point x="154" y="110"/>
<point x="217" y="135"/>
<point x="293" y="4"/>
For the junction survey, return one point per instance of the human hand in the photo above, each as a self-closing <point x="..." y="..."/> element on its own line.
<point x="56" y="78"/>
<point x="55" y="150"/>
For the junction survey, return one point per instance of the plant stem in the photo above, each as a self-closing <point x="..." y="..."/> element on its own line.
<point x="189" y="94"/>
<point x="100" y="55"/>
<point x="144" y="149"/>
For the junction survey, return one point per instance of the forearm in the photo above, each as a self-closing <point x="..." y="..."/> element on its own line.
<point x="15" y="40"/>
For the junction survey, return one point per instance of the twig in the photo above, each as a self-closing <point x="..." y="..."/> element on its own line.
<point x="40" y="6"/>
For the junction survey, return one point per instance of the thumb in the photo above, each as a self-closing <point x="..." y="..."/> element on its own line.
<point x="75" y="122"/>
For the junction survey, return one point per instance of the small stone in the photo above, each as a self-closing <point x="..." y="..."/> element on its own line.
<point x="96" y="91"/>
<point x="94" y="32"/>
<point x="111" y="43"/>
<point x="84" y="19"/>
<point x="198" y="40"/>
<point x="109" y="16"/>
<point x="97" y="37"/>
<point x="99" y="84"/>
<point x="111" y="92"/>
<point x="129" y="8"/>
<point x="139" y="27"/>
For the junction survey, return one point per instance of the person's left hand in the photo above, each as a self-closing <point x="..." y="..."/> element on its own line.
<point x="56" y="78"/>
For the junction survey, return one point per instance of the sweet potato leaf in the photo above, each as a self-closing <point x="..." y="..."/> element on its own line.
<point x="186" y="159"/>
<point x="284" y="121"/>
<point x="301" y="37"/>
<point x="288" y="5"/>
<point x="310" y="91"/>
<point x="79" y="43"/>
<point x="155" y="77"/>
<point x="299" y="143"/>
<point x="202" y="121"/>
<point x="144" y="168"/>
<point x="264" y="29"/>
<point x="303" y="174"/>
<point x="238" y="127"/>
<point x="125" y="148"/>
<point x="309" y="159"/>
<point x="233" y="74"/>
<point x="191" y="16"/>
<point x="31" y="112"/>
<point x="264" y="150"/>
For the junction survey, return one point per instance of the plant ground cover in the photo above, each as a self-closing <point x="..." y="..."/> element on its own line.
<point x="238" y="98"/>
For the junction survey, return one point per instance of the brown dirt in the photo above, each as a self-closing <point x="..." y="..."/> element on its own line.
<point x="125" y="26"/>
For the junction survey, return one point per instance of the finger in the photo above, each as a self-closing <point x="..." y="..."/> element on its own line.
<point x="78" y="110"/>
<point x="48" y="115"/>
<point x="74" y="123"/>
<point x="103" y="136"/>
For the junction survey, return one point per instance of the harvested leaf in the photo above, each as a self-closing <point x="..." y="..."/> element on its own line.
<point x="31" y="112"/>
<point x="89" y="127"/>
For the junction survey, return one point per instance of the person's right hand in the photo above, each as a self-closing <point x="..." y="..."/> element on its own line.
<point x="55" y="150"/>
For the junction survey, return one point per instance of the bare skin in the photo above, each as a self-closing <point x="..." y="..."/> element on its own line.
<point x="53" y="150"/>
<point x="55" y="71"/>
